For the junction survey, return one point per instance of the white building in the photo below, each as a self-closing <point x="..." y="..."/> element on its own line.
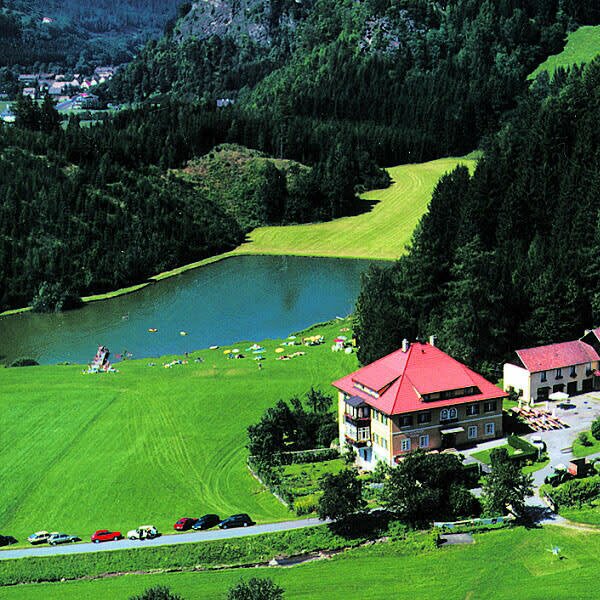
<point x="570" y="367"/>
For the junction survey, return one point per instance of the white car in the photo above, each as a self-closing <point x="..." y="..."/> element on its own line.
<point x="143" y="532"/>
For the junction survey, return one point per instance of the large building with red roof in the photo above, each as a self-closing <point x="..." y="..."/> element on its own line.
<point x="567" y="367"/>
<point x="415" y="397"/>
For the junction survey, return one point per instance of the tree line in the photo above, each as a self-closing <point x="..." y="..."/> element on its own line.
<point x="508" y="258"/>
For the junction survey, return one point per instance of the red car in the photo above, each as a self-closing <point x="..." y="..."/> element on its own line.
<point x="104" y="535"/>
<point x="184" y="524"/>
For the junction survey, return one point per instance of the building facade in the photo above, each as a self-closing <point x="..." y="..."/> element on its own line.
<point x="568" y="367"/>
<point x="416" y="397"/>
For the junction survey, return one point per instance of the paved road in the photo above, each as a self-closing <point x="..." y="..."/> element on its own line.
<point x="165" y="540"/>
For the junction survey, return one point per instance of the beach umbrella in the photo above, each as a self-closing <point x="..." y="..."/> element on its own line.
<point x="279" y="350"/>
<point x="559" y="396"/>
<point x="227" y="351"/>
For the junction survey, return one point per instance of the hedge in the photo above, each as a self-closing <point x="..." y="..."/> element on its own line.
<point x="528" y="451"/>
<point x="576" y="492"/>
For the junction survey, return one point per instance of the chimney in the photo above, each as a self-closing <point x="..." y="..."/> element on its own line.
<point x="405" y="345"/>
<point x="432" y="339"/>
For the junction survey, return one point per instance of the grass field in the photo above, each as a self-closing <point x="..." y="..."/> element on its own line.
<point x="506" y="564"/>
<point x="589" y="515"/>
<point x="381" y="233"/>
<point x="582" y="46"/>
<point x="147" y="444"/>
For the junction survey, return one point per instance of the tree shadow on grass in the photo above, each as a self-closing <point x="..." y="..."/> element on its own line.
<point x="363" y="525"/>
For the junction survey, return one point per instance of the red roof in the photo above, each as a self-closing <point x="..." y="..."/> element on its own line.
<point x="400" y="379"/>
<point x="556" y="356"/>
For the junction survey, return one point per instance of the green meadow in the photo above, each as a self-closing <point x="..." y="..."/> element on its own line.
<point x="505" y="564"/>
<point x="582" y="46"/>
<point x="380" y="233"/>
<point x="148" y="444"/>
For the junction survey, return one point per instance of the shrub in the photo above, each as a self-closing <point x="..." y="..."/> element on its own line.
<point x="583" y="439"/>
<point x="577" y="492"/>
<point x="306" y="504"/>
<point x="24" y="361"/>
<point x="255" y="589"/>
<point x="596" y="429"/>
<point x="159" y="592"/>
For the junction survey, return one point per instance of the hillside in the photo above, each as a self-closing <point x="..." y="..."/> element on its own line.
<point x="72" y="35"/>
<point x="251" y="187"/>
<point x="583" y="45"/>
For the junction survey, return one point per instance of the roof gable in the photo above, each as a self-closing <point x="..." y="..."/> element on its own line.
<point x="401" y="380"/>
<point x="556" y="356"/>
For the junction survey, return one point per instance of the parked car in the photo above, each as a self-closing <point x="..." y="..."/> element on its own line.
<point x="206" y="522"/>
<point x="7" y="540"/>
<point x="242" y="520"/>
<point x="39" y="537"/>
<point x="62" y="538"/>
<point x="104" y="535"/>
<point x="184" y="524"/>
<point x="143" y="532"/>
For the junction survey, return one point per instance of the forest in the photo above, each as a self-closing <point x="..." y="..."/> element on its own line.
<point x="509" y="258"/>
<point x="79" y="36"/>
<point x="342" y="87"/>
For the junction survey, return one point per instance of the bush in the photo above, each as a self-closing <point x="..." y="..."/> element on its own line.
<point x="24" y="362"/>
<point x="528" y="451"/>
<point x="596" y="429"/>
<point x="159" y="592"/>
<point x="584" y="440"/>
<point x="577" y="492"/>
<point x="255" y="589"/>
<point x="306" y="504"/>
<point x="308" y="456"/>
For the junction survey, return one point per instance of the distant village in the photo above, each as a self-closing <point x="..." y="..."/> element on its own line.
<point x="70" y="92"/>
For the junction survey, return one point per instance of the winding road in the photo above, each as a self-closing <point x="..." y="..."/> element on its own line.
<point x="163" y="540"/>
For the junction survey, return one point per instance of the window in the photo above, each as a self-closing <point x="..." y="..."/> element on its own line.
<point x="363" y="433"/>
<point x="490" y="406"/>
<point x="472" y="433"/>
<point x="588" y="369"/>
<point x="384" y="443"/>
<point x="472" y="409"/>
<point x="558" y="373"/>
<point x="573" y="371"/>
<point x="405" y="445"/>
<point x="444" y="414"/>
<point x="447" y="414"/>
<point x="490" y="428"/>
<point x="424" y="441"/>
<point x="406" y="421"/>
<point x="424" y="417"/>
<point x="544" y="377"/>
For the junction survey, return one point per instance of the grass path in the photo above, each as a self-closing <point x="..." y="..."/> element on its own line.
<point x="582" y="46"/>
<point x="147" y="444"/>
<point x="381" y="233"/>
<point x="501" y="565"/>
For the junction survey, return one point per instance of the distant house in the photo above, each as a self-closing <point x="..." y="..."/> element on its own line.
<point x="28" y="78"/>
<point x="57" y="88"/>
<point x="415" y="397"/>
<point x="7" y="116"/>
<point x="47" y="20"/>
<point x="569" y="367"/>
<point x="31" y="92"/>
<point x="223" y="102"/>
<point x="86" y="101"/>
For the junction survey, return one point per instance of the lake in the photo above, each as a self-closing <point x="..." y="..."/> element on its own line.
<point x="246" y="298"/>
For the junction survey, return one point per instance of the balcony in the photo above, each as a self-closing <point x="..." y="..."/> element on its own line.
<point x="358" y="421"/>
<point x="358" y="443"/>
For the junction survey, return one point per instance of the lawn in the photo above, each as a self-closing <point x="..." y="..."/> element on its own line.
<point x="147" y="444"/>
<point x="504" y="564"/>
<point x="381" y="233"/>
<point x="485" y="455"/>
<point x="580" y="450"/>
<point x="582" y="46"/>
<point x="590" y="515"/>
